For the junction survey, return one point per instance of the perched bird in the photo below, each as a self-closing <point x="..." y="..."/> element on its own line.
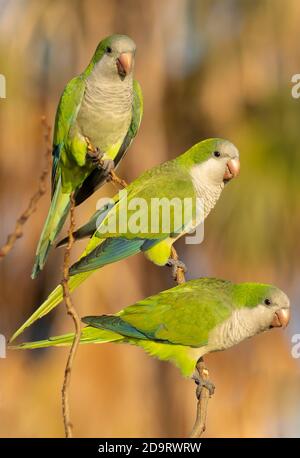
<point x="99" y="110"/>
<point x="200" y="173"/>
<point x="184" y="323"/>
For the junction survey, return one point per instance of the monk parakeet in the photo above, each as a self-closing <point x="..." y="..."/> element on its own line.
<point x="184" y="323"/>
<point x="101" y="107"/>
<point x="200" y="173"/>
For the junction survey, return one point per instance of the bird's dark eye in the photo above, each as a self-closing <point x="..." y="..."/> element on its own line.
<point x="268" y="302"/>
<point x="217" y="153"/>
<point x="108" y="50"/>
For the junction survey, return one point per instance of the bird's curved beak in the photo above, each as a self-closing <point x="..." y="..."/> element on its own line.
<point x="232" y="169"/>
<point x="124" y="63"/>
<point x="281" y="318"/>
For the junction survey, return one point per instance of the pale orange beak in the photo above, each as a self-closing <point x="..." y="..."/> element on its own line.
<point x="281" y="318"/>
<point x="232" y="169"/>
<point x="124" y="63"/>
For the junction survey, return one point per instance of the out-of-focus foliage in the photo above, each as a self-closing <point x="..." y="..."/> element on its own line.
<point x="207" y="68"/>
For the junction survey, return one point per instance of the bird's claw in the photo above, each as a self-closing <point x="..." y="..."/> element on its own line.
<point x="176" y="264"/>
<point x="202" y="383"/>
<point x="107" y="166"/>
<point x="96" y="155"/>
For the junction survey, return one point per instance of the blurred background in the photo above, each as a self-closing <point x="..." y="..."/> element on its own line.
<point x="207" y="68"/>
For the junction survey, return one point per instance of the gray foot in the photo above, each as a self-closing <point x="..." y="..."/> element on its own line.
<point x="95" y="156"/>
<point x="176" y="264"/>
<point x="107" y="166"/>
<point x="201" y="383"/>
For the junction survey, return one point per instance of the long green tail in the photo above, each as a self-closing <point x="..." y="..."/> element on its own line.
<point x="106" y="252"/>
<point x="57" y="215"/>
<point x="179" y="355"/>
<point x="51" y="302"/>
<point x="88" y="335"/>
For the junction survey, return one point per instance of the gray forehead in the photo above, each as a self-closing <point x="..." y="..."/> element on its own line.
<point x="227" y="148"/>
<point x="122" y="43"/>
<point x="280" y="298"/>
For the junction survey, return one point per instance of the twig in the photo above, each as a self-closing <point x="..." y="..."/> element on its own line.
<point x="117" y="180"/>
<point x="71" y="311"/>
<point x="203" y="397"/>
<point x="202" y="392"/>
<point x="31" y="208"/>
<point x="180" y="277"/>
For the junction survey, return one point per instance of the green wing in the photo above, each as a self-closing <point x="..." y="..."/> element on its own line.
<point x="96" y="179"/>
<point x="167" y="181"/>
<point x="66" y="114"/>
<point x="183" y="315"/>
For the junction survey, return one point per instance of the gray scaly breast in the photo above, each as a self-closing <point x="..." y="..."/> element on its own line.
<point x="105" y="113"/>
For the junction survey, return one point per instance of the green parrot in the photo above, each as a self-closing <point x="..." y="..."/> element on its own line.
<point x="101" y="107"/>
<point x="184" y="323"/>
<point x="200" y="173"/>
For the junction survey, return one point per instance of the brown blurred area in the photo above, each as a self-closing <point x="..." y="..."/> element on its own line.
<point x="207" y="68"/>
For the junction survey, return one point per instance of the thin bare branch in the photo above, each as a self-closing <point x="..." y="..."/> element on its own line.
<point x="117" y="180"/>
<point x="31" y="208"/>
<point x="180" y="277"/>
<point x="77" y="325"/>
<point x="203" y="396"/>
